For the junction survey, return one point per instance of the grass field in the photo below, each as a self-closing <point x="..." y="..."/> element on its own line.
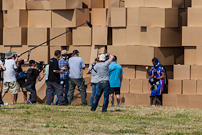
<point x="43" y="119"/>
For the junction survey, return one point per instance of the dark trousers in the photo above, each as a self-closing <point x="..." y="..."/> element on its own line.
<point x="101" y="87"/>
<point x="80" y="83"/>
<point x="51" y="88"/>
<point x="32" y="90"/>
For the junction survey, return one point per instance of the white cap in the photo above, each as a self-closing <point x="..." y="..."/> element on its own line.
<point x="102" y="57"/>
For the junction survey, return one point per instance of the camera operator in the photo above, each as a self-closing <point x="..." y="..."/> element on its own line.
<point x="103" y="85"/>
<point x="94" y="80"/>
<point x="32" y="75"/>
<point x="75" y="78"/>
<point x="20" y="75"/>
<point x="10" y="81"/>
<point x="157" y="72"/>
<point x="63" y="62"/>
<point x="53" y="83"/>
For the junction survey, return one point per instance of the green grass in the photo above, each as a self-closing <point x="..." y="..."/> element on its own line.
<point x="43" y="119"/>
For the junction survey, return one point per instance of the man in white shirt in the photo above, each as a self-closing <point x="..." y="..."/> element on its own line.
<point x="10" y="81"/>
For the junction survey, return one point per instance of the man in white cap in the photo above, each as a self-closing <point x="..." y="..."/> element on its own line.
<point x="10" y="81"/>
<point x="102" y="69"/>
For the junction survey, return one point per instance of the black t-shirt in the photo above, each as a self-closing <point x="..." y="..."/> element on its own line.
<point x="32" y="75"/>
<point x="53" y="65"/>
<point x="20" y="70"/>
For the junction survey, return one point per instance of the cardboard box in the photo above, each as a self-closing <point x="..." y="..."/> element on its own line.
<point x="141" y="72"/>
<point x="17" y="18"/>
<point x="132" y="16"/>
<point x="196" y="73"/>
<point x="189" y="87"/>
<point x="199" y="87"/>
<point x="4" y="49"/>
<point x="14" y="36"/>
<point x="39" y="18"/>
<point x="38" y="5"/>
<point x="13" y="4"/>
<point x="198" y="55"/>
<point x="136" y="86"/>
<point x="86" y="3"/>
<point x="143" y="99"/>
<point x="99" y="17"/>
<point x="146" y="88"/>
<point x="84" y="52"/>
<point x="128" y="72"/>
<point x="194" y="17"/>
<point x="189" y="55"/>
<point x="114" y="3"/>
<point x="182" y="17"/>
<point x="81" y="36"/>
<point x="196" y="4"/>
<point x="130" y="99"/>
<point x="195" y="101"/>
<point x="99" y="35"/>
<point x="157" y="37"/>
<point x="65" y="4"/>
<point x="41" y="34"/>
<point x="183" y="101"/>
<point x="179" y="55"/>
<point x="158" y="17"/>
<point x="54" y="48"/>
<point x="174" y="86"/>
<point x="191" y="36"/>
<point x="170" y="100"/>
<point x="97" y="3"/>
<point x="118" y="17"/>
<point x="182" y="72"/>
<point x="169" y="72"/>
<point x="64" y="40"/>
<point x="119" y="36"/>
<point x="125" y="86"/>
<point x="5" y="18"/>
<point x="69" y="18"/>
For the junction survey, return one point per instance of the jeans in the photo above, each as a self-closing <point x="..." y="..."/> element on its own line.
<point x="32" y="90"/>
<point x="1" y="101"/>
<point x="94" y="85"/>
<point x="101" y="87"/>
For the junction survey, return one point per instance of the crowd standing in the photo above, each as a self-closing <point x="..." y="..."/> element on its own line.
<point x="63" y="75"/>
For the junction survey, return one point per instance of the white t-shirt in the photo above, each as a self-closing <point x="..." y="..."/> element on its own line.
<point x="75" y="65"/>
<point x="9" y="74"/>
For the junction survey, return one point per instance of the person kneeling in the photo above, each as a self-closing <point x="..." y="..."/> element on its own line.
<point x="32" y="75"/>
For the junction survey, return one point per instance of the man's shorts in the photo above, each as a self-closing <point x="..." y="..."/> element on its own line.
<point x="22" y="85"/>
<point x="115" y="89"/>
<point x="14" y="86"/>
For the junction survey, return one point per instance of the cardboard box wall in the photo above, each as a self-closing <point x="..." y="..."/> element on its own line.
<point x="81" y="36"/>
<point x="170" y="100"/>
<point x="96" y="3"/>
<point x="189" y="87"/>
<point x="196" y="4"/>
<point x="132" y="99"/>
<point x="69" y="18"/>
<point x="118" y="17"/>
<point x="37" y="5"/>
<point x="13" y="4"/>
<point x="128" y="72"/>
<point x="194" y="17"/>
<point x="141" y="72"/>
<point x="146" y="88"/>
<point x="125" y="85"/>
<point x="190" y="55"/>
<point x="39" y="18"/>
<point x="183" y="101"/>
<point x="196" y="73"/>
<point x="119" y="36"/>
<point x="136" y="86"/>
<point x="99" y="35"/>
<point x="114" y="3"/>
<point x="175" y="86"/>
<point x="65" y="4"/>
<point x="14" y="36"/>
<point x="182" y="72"/>
<point x="99" y="16"/>
<point x="132" y="16"/>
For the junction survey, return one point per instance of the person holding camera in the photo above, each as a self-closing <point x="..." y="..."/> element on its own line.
<point x="157" y="73"/>
<point x="20" y="75"/>
<point x="116" y="77"/>
<point x="75" y="78"/>
<point x="103" y="85"/>
<point x="53" y="82"/>
<point x="10" y="81"/>
<point x="32" y="76"/>
<point x="94" y="81"/>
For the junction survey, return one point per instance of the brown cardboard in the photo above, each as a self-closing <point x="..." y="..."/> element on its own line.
<point x="41" y="34"/>
<point x="119" y="36"/>
<point x="146" y="88"/>
<point x="81" y="36"/>
<point x="114" y="3"/>
<point x="143" y="99"/>
<point x="69" y="18"/>
<point x="169" y="72"/>
<point x="17" y="18"/>
<point x="64" y="40"/>
<point x="182" y="17"/>
<point x="141" y="72"/>
<point x="195" y="101"/>
<point x="189" y="87"/>
<point x="174" y="86"/>
<point x="14" y="36"/>
<point x="125" y="86"/>
<point x="97" y="4"/>
<point x="128" y="72"/>
<point x="19" y="4"/>
<point x="132" y="17"/>
<point x="130" y="99"/>
<point x="65" y="4"/>
<point x="99" y="35"/>
<point x="158" y="17"/>
<point x="196" y="73"/>
<point x="170" y="100"/>
<point x="190" y="55"/>
<point x="93" y="54"/>
<point x="13" y="4"/>
<point x="102" y="49"/>
<point x="118" y="17"/>
<point x="4" y="49"/>
<point x="39" y="18"/>
<point x="38" y="5"/>
<point x="84" y="52"/>
<point x="136" y="85"/>
<point x="99" y="16"/>
<point x="199" y="87"/>
<point x="183" y="101"/>
<point x="5" y="18"/>
<point x="41" y="93"/>
<point x="179" y="55"/>
<point x="182" y="72"/>
<point x="196" y="4"/>
<point x="54" y="48"/>
<point x="194" y="17"/>
<point x="198" y="55"/>
<point x="86" y="3"/>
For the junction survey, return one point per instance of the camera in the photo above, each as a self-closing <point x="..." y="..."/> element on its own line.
<point x="107" y="56"/>
<point x="69" y="55"/>
<point x="2" y="57"/>
<point x="40" y="65"/>
<point x="154" y="83"/>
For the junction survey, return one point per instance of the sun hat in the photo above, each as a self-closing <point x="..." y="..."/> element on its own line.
<point x="64" y="52"/>
<point x="9" y="54"/>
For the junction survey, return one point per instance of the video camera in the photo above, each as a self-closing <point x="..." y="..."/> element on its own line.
<point x="2" y="57"/>
<point x="154" y="83"/>
<point x="69" y="55"/>
<point x="40" y="65"/>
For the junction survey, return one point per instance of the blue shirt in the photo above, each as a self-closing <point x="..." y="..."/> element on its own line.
<point x="115" y="74"/>
<point x="64" y="63"/>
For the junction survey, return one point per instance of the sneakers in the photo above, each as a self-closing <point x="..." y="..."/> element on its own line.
<point x="153" y="105"/>
<point x="118" y="105"/>
<point x="4" y="104"/>
<point x="29" y="102"/>
<point x="112" y="105"/>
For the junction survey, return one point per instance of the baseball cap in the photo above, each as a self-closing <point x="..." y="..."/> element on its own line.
<point x="102" y="57"/>
<point x="75" y="51"/>
<point x="32" y="62"/>
<point x="64" y="52"/>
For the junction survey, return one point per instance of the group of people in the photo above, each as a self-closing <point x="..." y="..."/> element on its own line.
<point x="63" y="75"/>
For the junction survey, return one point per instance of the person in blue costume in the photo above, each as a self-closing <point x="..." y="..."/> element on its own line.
<point x="157" y="72"/>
